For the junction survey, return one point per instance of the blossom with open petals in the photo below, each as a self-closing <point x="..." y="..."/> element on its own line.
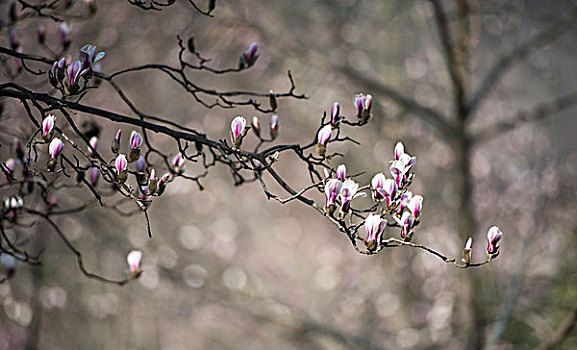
<point x="88" y="56"/>
<point x="374" y="226"/>
<point x="363" y="105"/>
<point x="348" y="193"/>
<point x="401" y="168"/>
<point x="494" y="235"/>
<point x="74" y="69"/>
<point x="388" y="191"/>
<point x="377" y="182"/>
<point x="332" y="190"/>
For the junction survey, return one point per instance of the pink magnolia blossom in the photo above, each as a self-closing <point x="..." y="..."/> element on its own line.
<point x="407" y="221"/>
<point x="135" y="140"/>
<point x="256" y="125"/>
<point x="115" y="146"/>
<point x="250" y="56"/>
<point x="468" y="251"/>
<point x="324" y="135"/>
<point x="399" y="149"/>
<point x="9" y="167"/>
<point x="74" y="70"/>
<point x="88" y="56"/>
<point x="378" y="182"/>
<point x="348" y="193"/>
<point x="401" y="168"/>
<point x="494" y="235"/>
<point x="48" y="127"/>
<point x="237" y="127"/>
<point x="415" y="205"/>
<point x="332" y="189"/>
<point x="121" y="167"/>
<point x="374" y="226"/>
<point x="274" y="126"/>
<point x="55" y="148"/>
<point x="363" y="105"/>
<point x="335" y="113"/>
<point x="388" y="191"/>
<point x="341" y="172"/>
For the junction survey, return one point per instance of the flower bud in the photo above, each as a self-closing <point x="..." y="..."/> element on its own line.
<point x="468" y="251"/>
<point x="250" y="56"/>
<point x="237" y="127"/>
<point x="9" y="168"/>
<point x="407" y="221"/>
<point x="341" y="172"/>
<point x="13" y="38"/>
<point x="48" y="127"/>
<point x="332" y="190"/>
<point x="256" y="125"/>
<point x="273" y="126"/>
<point x="415" y="205"/>
<point x="363" y="105"/>
<point x="162" y="183"/>
<point x="374" y="226"/>
<point x="94" y="175"/>
<point x="94" y="143"/>
<point x="41" y="35"/>
<point x="399" y="150"/>
<point x="121" y="168"/>
<point x="64" y="33"/>
<point x="115" y="147"/>
<point x="272" y="100"/>
<point x="377" y="183"/>
<point x="152" y="182"/>
<point x="323" y="138"/>
<point x="335" y="113"/>
<point x="55" y="148"/>
<point x="178" y="163"/>
<point x="494" y="235"/>
<point x="134" y="259"/>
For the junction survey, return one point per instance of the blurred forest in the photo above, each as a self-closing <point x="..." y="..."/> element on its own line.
<point x="483" y="93"/>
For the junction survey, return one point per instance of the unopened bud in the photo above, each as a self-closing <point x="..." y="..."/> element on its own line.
<point x="468" y="251"/>
<point x="272" y="100"/>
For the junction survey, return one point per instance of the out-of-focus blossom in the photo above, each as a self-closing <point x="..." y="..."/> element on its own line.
<point x="121" y="167"/>
<point x="335" y="113"/>
<point x="53" y="201"/>
<point x="388" y="191"/>
<point x="272" y="100"/>
<point x="9" y="165"/>
<point x="237" y="127"/>
<point x="13" y="38"/>
<point x="273" y="126"/>
<point x="178" y="163"/>
<point x="407" y="221"/>
<point x="363" y="105"/>
<point x="494" y="235"/>
<point x="115" y="147"/>
<point x="377" y="183"/>
<point x="41" y="35"/>
<point x="250" y="56"/>
<point x="332" y="190"/>
<point x="55" y="148"/>
<point x="140" y="164"/>
<point x="94" y="175"/>
<point x="134" y="259"/>
<point x="468" y="251"/>
<point x="256" y="125"/>
<point x="48" y="127"/>
<point x="88" y="56"/>
<point x="374" y="226"/>
<point x="91" y="5"/>
<point x="94" y="144"/>
<point x="323" y="137"/>
<point x="64" y="33"/>
<point x="415" y="205"/>
<point x="341" y="172"/>
<point x="348" y="193"/>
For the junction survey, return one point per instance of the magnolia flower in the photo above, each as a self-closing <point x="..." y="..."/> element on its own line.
<point x="401" y="168"/>
<point x="152" y="182"/>
<point x="73" y="71"/>
<point x="407" y="221"/>
<point x="178" y="163"/>
<point x="377" y="183"/>
<point x="335" y="113"/>
<point x="115" y="147"/>
<point x="237" y="127"/>
<point x="162" y="183"/>
<point x="323" y="137"/>
<point x="415" y="205"/>
<point x="332" y="190"/>
<point x="134" y="258"/>
<point x="494" y="235"/>
<point x="88" y="56"/>
<point x="94" y="144"/>
<point x="135" y="140"/>
<point x="13" y="38"/>
<point x="121" y="167"/>
<point x="250" y="56"/>
<point x="363" y="105"/>
<point x="64" y="32"/>
<point x="9" y="167"/>
<point x="94" y="175"/>
<point x="256" y="125"/>
<point x="399" y="149"/>
<point x="48" y="127"/>
<point x="374" y="226"/>
<point x="405" y="199"/>
<point x="341" y="172"/>
<point x="468" y="251"/>
<point x="326" y="173"/>
<point x="56" y="73"/>
<point x="55" y="148"/>
<point x="273" y="126"/>
<point x="347" y="194"/>
<point x="388" y="191"/>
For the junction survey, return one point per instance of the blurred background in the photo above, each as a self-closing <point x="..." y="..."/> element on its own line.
<point x="228" y="269"/>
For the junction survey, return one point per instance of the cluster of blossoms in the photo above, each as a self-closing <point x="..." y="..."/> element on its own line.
<point x="56" y="145"/>
<point x="68" y="74"/>
<point x="391" y="197"/>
